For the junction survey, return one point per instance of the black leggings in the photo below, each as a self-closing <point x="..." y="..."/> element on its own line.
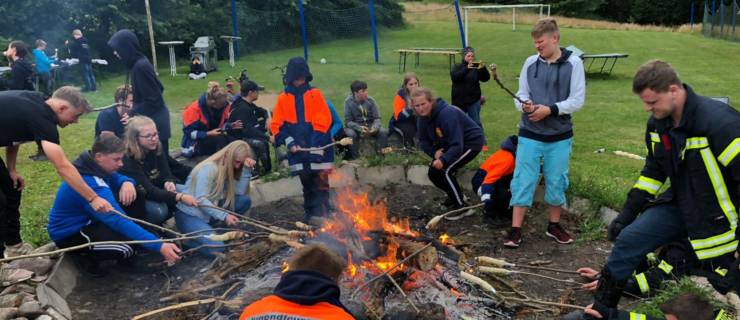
<point x="446" y="178"/>
<point x="10" y="202"/>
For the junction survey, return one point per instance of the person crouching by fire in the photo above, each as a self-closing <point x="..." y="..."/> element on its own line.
<point x="450" y="137"/>
<point x="308" y="290"/>
<point x="73" y="221"/>
<point x="219" y="182"/>
<point x="304" y="119"/>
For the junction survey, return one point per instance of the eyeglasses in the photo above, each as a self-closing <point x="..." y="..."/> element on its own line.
<point x="152" y="136"/>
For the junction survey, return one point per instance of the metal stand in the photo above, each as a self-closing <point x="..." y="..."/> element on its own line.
<point x="171" y="46"/>
<point x="230" y="40"/>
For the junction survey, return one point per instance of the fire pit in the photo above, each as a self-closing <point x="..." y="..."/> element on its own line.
<point x="395" y="266"/>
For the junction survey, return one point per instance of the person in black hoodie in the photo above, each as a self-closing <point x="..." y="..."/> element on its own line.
<point x="450" y="137"/>
<point x="147" y="88"/>
<point x="80" y="49"/>
<point x="147" y="165"/>
<point x="148" y="99"/>
<point x="254" y="122"/>
<point x="21" y="71"/>
<point x="196" y="69"/>
<point x="466" y="79"/>
<point x="307" y="290"/>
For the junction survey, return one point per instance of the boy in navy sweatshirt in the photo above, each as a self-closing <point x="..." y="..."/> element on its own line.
<point x="72" y="221"/>
<point x="450" y="137"/>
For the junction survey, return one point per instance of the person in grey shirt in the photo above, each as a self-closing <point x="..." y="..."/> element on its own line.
<point x="362" y="118"/>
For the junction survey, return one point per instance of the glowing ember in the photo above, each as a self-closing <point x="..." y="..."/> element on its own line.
<point x="445" y="239"/>
<point x="455" y="292"/>
<point x="285" y="267"/>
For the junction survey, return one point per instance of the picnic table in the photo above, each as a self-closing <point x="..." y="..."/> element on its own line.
<point x="403" y="54"/>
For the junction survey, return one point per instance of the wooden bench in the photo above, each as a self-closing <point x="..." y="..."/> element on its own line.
<point x="403" y="54"/>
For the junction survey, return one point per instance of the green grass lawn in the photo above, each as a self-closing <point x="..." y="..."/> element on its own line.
<point x="612" y="117"/>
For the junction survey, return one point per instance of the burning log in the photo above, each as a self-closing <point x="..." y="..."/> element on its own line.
<point x="425" y="260"/>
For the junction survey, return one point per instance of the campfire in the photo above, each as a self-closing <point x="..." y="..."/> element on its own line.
<point x="394" y="271"/>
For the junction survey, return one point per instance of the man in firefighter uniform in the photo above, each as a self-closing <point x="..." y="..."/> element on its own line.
<point x="694" y="142"/>
<point x="303" y="119"/>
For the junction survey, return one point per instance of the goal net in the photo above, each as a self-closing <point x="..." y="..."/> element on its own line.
<point x="526" y="13"/>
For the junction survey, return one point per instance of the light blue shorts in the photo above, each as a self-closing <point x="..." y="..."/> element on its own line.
<point x="529" y="155"/>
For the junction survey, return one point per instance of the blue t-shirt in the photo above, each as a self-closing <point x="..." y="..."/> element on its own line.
<point x="109" y="120"/>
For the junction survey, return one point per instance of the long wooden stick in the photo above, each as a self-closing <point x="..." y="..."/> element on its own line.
<point x="344" y="141"/>
<point x="500" y="84"/>
<point x="175" y="307"/>
<point x="181" y="293"/>
<point x="435" y="221"/>
<point x="250" y="221"/>
<point x="390" y="269"/>
<point x="403" y="293"/>
<point x="89" y="244"/>
<point x="123" y="215"/>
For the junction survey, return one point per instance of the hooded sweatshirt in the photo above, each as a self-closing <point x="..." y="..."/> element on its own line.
<point x="80" y="49"/>
<point x="448" y="128"/>
<point x="300" y="293"/>
<point x="358" y="114"/>
<point x="561" y="85"/>
<point x="21" y="72"/>
<point x="147" y="88"/>
<point x="71" y="212"/>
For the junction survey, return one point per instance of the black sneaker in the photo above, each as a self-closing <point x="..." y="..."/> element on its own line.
<point x="555" y="231"/>
<point x="449" y="203"/>
<point x="513" y="238"/>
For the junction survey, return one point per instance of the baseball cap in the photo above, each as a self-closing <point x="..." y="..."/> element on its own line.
<point x="250" y="85"/>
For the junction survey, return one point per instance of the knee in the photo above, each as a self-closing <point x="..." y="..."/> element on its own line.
<point x="350" y="132"/>
<point x="243" y="203"/>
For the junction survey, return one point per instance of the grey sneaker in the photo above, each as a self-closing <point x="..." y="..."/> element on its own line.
<point x="17" y="250"/>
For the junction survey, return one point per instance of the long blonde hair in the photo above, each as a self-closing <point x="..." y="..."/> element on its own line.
<point x="131" y="137"/>
<point x="222" y="182"/>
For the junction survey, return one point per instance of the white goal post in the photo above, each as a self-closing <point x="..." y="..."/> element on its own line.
<point x="513" y="8"/>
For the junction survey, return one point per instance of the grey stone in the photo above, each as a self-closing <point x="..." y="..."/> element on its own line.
<point x="464" y="177"/>
<point x="39" y="266"/>
<point x="580" y="206"/>
<point x="56" y="315"/>
<point x="417" y="174"/>
<point x="49" y="247"/>
<point x="12" y="300"/>
<point x="51" y="299"/>
<point x="19" y="287"/>
<point x="279" y="189"/>
<point x="8" y="313"/>
<point x="380" y="176"/>
<point x="607" y="214"/>
<point x="44" y="317"/>
<point x="30" y="309"/>
<point x="63" y="278"/>
<point x="343" y="176"/>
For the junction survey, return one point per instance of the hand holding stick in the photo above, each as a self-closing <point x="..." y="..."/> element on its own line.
<point x="343" y="142"/>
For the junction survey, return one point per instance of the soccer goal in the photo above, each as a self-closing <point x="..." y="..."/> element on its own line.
<point x="493" y="13"/>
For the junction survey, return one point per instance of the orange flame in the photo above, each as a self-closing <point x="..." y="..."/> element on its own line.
<point x="445" y="239"/>
<point x="455" y="292"/>
<point x="285" y="267"/>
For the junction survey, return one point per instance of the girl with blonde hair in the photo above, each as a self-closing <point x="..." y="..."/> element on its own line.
<point x="147" y="164"/>
<point x="220" y="180"/>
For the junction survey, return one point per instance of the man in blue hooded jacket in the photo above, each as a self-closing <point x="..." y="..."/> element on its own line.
<point x="450" y="137"/>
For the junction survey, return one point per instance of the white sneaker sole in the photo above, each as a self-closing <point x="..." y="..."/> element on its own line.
<point x="467" y="213"/>
<point x="558" y="240"/>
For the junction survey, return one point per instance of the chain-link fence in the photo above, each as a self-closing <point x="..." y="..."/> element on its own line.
<point x="720" y="20"/>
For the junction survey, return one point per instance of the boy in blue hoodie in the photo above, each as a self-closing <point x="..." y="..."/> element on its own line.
<point x="72" y="221"/>
<point x="450" y="137"/>
<point x="303" y="118"/>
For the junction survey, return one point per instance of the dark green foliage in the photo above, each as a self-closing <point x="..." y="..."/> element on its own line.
<point x="262" y="24"/>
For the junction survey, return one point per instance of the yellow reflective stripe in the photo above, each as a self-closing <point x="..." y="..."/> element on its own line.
<point x="642" y="283"/>
<point x="665" y="266"/>
<point x="717" y="251"/>
<point x="723" y="315"/>
<point x="699" y="244"/>
<point x="654" y="137"/>
<point x="637" y="316"/>
<point x="730" y="152"/>
<point x="649" y="185"/>
<point x="721" y="271"/>
<point x="719" y="186"/>
<point x="696" y="143"/>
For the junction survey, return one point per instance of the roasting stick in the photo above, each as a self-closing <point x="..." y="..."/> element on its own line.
<point x="390" y="269"/>
<point x="343" y="142"/>
<point x="251" y="221"/>
<point x="505" y="264"/>
<point x="506" y="272"/>
<point x="435" y="221"/>
<point x="139" y="221"/>
<point x="393" y="281"/>
<point x="500" y="84"/>
<point x="175" y="307"/>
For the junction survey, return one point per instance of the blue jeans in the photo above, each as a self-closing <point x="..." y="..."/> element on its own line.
<point x="530" y="153"/>
<point x="88" y="77"/>
<point x="656" y="226"/>
<point x="188" y="223"/>
<point x="156" y="212"/>
<point x="474" y="113"/>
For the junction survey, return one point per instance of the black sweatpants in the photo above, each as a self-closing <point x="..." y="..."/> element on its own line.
<point x="10" y="216"/>
<point x="98" y="231"/>
<point x="315" y="193"/>
<point x="446" y="178"/>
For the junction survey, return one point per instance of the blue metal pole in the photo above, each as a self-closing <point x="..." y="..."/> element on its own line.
<point x="459" y="23"/>
<point x="721" y="19"/>
<point x="714" y="10"/>
<point x="373" y="28"/>
<point x="734" y="17"/>
<point x="691" y="15"/>
<point x="303" y="30"/>
<point x="235" y="28"/>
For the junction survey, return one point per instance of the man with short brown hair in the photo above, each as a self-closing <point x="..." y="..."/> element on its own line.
<point x="25" y="116"/>
<point x="694" y="141"/>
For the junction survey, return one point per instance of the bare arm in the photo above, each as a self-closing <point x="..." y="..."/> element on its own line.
<point x="69" y="174"/>
<point x="11" y="155"/>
